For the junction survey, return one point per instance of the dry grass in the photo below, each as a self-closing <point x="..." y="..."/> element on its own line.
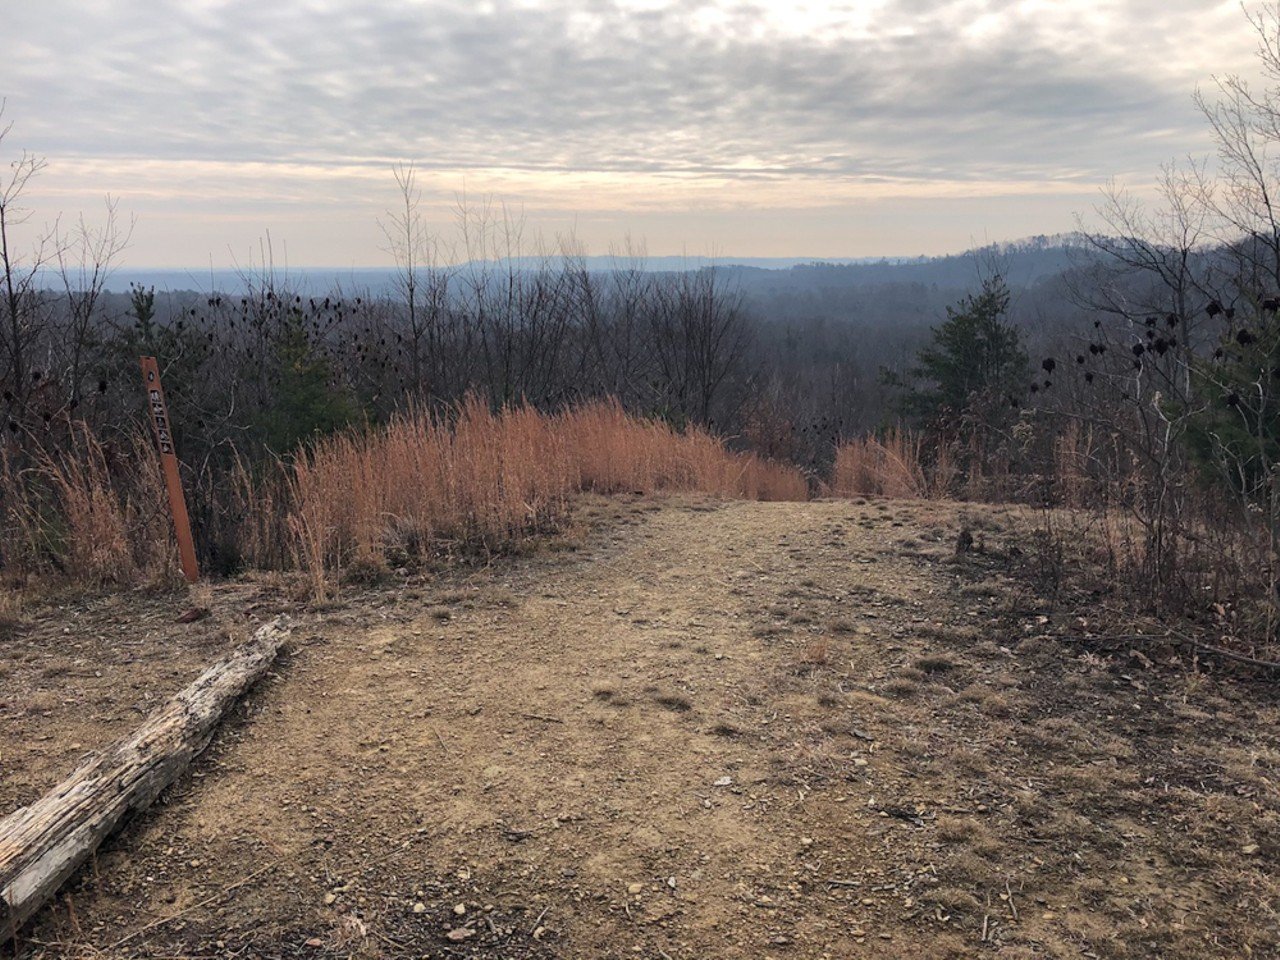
<point x="10" y="613"/>
<point x="489" y="479"/>
<point x="889" y="466"/>
<point x="351" y="506"/>
<point x="909" y="464"/>
<point x="612" y="452"/>
<point x="1162" y="537"/>
<point x="86" y="510"/>
<point x="816" y="653"/>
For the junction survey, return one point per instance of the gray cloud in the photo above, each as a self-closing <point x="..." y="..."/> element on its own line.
<point x="957" y="91"/>
<point x="591" y="85"/>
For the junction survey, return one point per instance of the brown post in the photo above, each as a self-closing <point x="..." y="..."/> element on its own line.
<point x="169" y="461"/>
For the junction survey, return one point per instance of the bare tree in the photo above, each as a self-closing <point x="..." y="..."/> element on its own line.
<point x="85" y="262"/>
<point x="23" y="310"/>
<point x="699" y="337"/>
<point x="1155" y="258"/>
<point x="1246" y="129"/>
<point x="420" y="279"/>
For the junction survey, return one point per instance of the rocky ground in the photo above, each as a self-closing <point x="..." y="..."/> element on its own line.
<point x="698" y="730"/>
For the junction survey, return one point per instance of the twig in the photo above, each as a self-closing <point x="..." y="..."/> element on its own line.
<point x="1013" y="907"/>
<point x="195" y="906"/>
<point x="385" y="939"/>
<point x="1238" y="657"/>
<point x="538" y="716"/>
<point x="1174" y="637"/>
<point x="537" y="923"/>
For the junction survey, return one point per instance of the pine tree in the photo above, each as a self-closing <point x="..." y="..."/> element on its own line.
<point x="306" y="401"/>
<point x="1234" y="429"/>
<point x="974" y="362"/>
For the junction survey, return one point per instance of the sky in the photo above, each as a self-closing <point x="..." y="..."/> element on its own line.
<point x="724" y="128"/>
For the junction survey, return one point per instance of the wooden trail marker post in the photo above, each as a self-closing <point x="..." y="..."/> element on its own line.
<point x="169" y="463"/>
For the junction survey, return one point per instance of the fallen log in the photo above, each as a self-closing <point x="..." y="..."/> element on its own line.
<point x="43" y="844"/>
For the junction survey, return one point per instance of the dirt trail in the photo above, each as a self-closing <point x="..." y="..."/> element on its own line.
<point x="719" y="730"/>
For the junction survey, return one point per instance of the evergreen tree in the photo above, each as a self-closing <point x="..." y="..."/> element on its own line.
<point x="306" y="402"/>
<point x="1234" y="428"/>
<point x="973" y="363"/>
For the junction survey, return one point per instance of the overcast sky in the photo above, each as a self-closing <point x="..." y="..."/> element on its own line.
<point x="739" y="128"/>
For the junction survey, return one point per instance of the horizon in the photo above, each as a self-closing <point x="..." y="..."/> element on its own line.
<point x="314" y="277"/>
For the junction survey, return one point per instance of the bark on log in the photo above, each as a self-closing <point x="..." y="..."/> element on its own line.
<point x="43" y="844"/>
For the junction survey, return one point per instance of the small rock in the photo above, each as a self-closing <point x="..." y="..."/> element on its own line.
<point x="329" y="898"/>
<point x="460" y="909"/>
<point x="460" y="933"/>
<point x="634" y="888"/>
<point x="419" y="907"/>
<point x="723" y="782"/>
<point x="1249" y="849"/>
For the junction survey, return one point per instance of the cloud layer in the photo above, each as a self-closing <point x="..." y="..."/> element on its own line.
<point x="640" y="110"/>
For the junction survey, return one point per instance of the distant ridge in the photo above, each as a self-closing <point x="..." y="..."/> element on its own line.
<point x="380" y="279"/>
<point x="377" y="280"/>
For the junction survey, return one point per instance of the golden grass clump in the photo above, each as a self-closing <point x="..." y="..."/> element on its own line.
<point x="614" y="452"/>
<point x="888" y="466"/>
<point x="489" y="478"/>
<point x="87" y="511"/>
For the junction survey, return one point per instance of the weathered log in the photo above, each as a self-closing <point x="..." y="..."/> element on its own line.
<point x="43" y="844"/>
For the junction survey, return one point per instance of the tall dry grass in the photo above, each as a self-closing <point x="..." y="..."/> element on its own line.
<point x="908" y="464"/>
<point x="86" y="511"/>
<point x="892" y="465"/>
<point x="611" y="452"/>
<point x="1160" y="541"/>
<point x="488" y="479"/>
<point x="94" y="513"/>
